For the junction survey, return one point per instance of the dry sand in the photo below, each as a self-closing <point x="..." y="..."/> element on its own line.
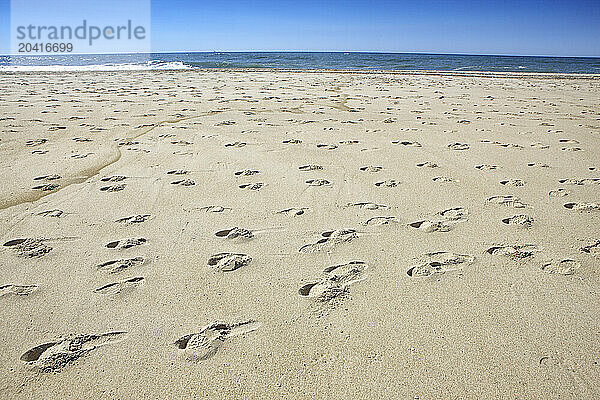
<point x="397" y="236"/>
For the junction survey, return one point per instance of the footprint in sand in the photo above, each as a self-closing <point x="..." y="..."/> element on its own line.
<point x="513" y="182"/>
<point x="318" y="182"/>
<point x="454" y="214"/>
<point x="235" y="233"/>
<point x="568" y="141"/>
<point x="367" y="206"/>
<point x="378" y="221"/>
<point x="114" y="178"/>
<point x="236" y="144"/>
<point x="506" y="145"/>
<point x="593" y="248"/>
<point x="78" y="156"/>
<point x="178" y="172"/>
<point x="508" y="201"/>
<point x="516" y="252"/>
<point x="28" y="247"/>
<point x="538" y="165"/>
<point x="333" y="287"/>
<point x="126" y="243"/>
<point x="56" y="355"/>
<point x="371" y="168"/>
<point x="115" y="266"/>
<point x="134" y="219"/>
<point x="214" y="209"/>
<point x="458" y="146"/>
<point x="439" y="263"/>
<point x="17" y="290"/>
<point x="583" y="206"/>
<point x="205" y="344"/>
<point x="389" y="183"/>
<point x="538" y="145"/>
<point x="442" y="221"/>
<point x="292" y="141"/>
<point x="444" y="179"/>
<point x="47" y="178"/>
<point x="246" y="172"/>
<point x="562" y="267"/>
<point x="558" y="193"/>
<point x="427" y="164"/>
<point x="113" y="188"/>
<point x="51" y="213"/>
<point x="128" y="143"/>
<point x="227" y="262"/>
<point x="521" y="220"/>
<point x="184" y="182"/>
<point x="310" y="167"/>
<point x="327" y="146"/>
<point x="330" y="240"/>
<point x="47" y="188"/>
<point x="486" y="167"/>
<point x="580" y="182"/>
<point x="293" y="211"/>
<point x="121" y="286"/>
<point x="406" y="143"/>
<point x="35" y="142"/>
<point x="252" y="186"/>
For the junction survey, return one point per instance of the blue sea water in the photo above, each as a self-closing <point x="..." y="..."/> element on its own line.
<point x="302" y="60"/>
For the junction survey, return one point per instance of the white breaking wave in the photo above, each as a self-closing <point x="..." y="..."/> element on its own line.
<point x="148" y="66"/>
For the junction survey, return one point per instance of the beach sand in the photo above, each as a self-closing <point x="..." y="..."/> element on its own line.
<point x="399" y="236"/>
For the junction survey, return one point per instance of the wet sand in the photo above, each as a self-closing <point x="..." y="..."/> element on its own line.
<point x="239" y="234"/>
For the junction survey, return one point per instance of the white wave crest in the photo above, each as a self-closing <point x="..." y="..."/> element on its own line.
<point x="147" y="66"/>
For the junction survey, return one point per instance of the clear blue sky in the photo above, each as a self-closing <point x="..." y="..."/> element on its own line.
<point x="528" y="27"/>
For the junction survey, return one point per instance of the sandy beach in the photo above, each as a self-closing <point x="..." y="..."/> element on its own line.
<point x="295" y="235"/>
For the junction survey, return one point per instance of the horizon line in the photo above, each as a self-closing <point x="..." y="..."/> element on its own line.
<point x="306" y="51"/>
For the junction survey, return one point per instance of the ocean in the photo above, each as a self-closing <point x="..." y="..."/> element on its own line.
<point x="301" y="60"/>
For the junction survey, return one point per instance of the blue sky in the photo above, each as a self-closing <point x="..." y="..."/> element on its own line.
<point x="527" y="27"/>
